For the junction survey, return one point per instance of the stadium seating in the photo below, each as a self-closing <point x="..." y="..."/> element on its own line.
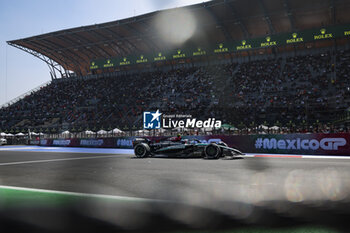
<point x="294" y="91"/>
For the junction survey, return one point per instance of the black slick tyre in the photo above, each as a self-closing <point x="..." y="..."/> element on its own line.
<point x="141" y="150"/>
<point x="212" y="151"/>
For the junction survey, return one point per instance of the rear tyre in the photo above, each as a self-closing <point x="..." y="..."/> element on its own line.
<point x="212" y="151"/>
<point x="141" y="150"/>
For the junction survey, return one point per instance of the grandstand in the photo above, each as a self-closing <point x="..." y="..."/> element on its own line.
<point x="282" y="63"/>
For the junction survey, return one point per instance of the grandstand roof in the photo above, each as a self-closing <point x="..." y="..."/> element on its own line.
<point x="218" y="21"/>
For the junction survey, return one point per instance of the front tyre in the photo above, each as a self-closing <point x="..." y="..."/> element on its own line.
<point x="212" y="151"/>
<point x="141" y="150"/>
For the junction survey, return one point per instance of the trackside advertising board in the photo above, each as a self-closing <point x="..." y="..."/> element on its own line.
<point x="337" y="144"/>
<point x="317" y="144"/>
<point x="76" y="142"/>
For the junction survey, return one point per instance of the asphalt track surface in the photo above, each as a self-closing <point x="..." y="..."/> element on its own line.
<point x="99" y="171"/>
<point x="257" y="190"/>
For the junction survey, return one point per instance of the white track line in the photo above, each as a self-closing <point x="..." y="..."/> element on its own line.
<point x="16" y="148"/>
<point x="57" y="160"/>
<point x="103" y="196"/>
<point x="325" y="157"/>
<point x="130" y="151"/>
<point x="74" y="150"/>
<point x="254" y="155"/>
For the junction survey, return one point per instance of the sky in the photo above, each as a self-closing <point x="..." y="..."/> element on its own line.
<point x="21" y="72"/>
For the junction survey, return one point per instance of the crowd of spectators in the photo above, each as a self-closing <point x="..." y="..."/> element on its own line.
<point x="299" y="90"/>
<point x="109" y="102"/>
<point x="295" y="92"/>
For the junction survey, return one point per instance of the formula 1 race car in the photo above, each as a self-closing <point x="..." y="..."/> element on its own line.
<point x="184" y="148"/>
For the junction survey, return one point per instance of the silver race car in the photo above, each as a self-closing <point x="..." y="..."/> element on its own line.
<point x="183" y="148"/>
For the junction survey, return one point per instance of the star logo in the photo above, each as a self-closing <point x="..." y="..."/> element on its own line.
<point x="151" y="120"/>
<point x="156" y="115"/>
